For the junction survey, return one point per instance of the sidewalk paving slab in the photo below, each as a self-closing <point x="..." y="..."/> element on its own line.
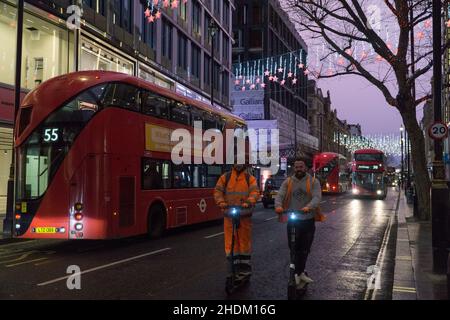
<point x="413" y="277"/>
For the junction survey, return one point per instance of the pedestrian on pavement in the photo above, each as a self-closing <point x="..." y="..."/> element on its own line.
<point x="238" y="188"/>
<point x="301" y="192"/>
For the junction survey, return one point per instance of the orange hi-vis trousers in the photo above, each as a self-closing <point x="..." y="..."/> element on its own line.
<point x="242" y="243"/>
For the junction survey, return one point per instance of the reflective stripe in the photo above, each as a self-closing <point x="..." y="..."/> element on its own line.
<point x="220" y="188"/>
<point x="237" y="193"/>
<point x="253" y="188"/>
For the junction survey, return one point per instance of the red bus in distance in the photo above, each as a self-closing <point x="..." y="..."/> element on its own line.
<point x="330" y="169"/>
<point x="94" y="159"/>
<point x="369" y="173"/>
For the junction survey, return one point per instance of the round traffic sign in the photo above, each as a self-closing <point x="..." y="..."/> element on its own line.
<point x="438" y="131"/>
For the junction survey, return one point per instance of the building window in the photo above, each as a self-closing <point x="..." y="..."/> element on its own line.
<point x="256" y="14"/>
<point x="195" y="65"/>
<point x="217" y="8"/>
<point x="206" y="30"/>
<point x="226" y="15"/>
<point x="196" y="18"/>
<point x="207" y="70"/>
<point x="97" y="5"/>
<point x="244" y="15"/>
<point x="46" y="49"/>
<point x="149" y="33"/>
<point x="256" y="38"/>
<point x="217" y="42"/>
<point x="182" y="52"/>
<point x="182" y="9"/>
<point x="225" y="46"/>
<point x="216" y="77"/>
<point x="238" y="39"/>
<point x="167" y="39"/>
<point x="94" y="57"/>
<point x="122" y="14"/>
<point x="225" y="84"/>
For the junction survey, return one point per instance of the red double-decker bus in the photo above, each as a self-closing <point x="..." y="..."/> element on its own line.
<point x="331" y="169"/>
<point x="94" y="159"/>
<point x="368" y="173"/>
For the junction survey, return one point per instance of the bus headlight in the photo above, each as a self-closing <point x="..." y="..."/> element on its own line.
<point x="78" y="226"/>
<point x="379" y="192"/>
<point x="355" y="191"/>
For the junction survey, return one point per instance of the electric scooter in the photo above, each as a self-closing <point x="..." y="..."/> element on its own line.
<point x="232" y="283"/>
<point x="294" y="292"/>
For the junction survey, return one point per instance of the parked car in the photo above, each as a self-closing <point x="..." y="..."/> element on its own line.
<point x="271" y="187"/>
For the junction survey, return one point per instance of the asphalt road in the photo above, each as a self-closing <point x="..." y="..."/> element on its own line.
<point x="189" y="263"/>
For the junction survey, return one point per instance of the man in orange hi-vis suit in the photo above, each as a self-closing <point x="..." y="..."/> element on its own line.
<point x="238" y="188"/>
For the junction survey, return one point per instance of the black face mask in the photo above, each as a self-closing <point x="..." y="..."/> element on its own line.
<point x="300" y="175"/>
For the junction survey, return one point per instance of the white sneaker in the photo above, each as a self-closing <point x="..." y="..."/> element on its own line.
<point x="303" y="277"/>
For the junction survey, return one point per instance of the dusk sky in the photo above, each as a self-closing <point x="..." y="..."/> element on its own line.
<point x="358" y="101"/>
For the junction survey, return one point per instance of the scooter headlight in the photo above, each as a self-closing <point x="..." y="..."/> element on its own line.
<point x="292" y="216"/>
<point x="234" y="211"/>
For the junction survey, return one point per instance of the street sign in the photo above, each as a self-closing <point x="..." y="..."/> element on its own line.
<point x="438" y="131"/>
<point x="283" y="164"/>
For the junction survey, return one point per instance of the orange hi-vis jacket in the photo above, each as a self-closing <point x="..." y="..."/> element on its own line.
<point x="237" y="191"/>
<point x="234" y="194"/>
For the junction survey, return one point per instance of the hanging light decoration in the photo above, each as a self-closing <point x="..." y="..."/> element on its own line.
<point x="152" y="9"/>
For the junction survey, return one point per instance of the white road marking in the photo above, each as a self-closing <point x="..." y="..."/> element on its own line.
<point x="213" y="235"/>
<point x="271" y="218"/>
<point x="104" y="266"/>
<point x="25" y="262"/>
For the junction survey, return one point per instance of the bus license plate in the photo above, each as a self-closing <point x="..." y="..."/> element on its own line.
<point x="46" y="230"/>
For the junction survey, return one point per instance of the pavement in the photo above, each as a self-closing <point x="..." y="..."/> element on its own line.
<point x="413" y="276"/>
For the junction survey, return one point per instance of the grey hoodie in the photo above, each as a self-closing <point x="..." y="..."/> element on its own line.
<point x="300" y="198"/>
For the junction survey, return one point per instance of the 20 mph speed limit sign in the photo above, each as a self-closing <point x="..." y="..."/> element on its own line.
<point x="438" y="131"/>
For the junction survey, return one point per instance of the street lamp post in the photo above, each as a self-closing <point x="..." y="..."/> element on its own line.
<point x="402" y="163"/>
<point x="213" y="30"/>
<point x="439" y="189"/>
<point x="8" y="221"/>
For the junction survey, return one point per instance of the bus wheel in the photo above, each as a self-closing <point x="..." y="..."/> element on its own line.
<point x="156" y="222"/>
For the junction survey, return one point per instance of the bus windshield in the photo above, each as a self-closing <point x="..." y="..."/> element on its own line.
<point x="368" y="181"/>
<point x="42" y="153"/>
<point x="369" y="157"/>
<point x="323" y="172"/>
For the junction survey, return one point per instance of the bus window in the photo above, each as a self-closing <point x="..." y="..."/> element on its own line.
<point x="196" y="114"/>
<point x="209" y="122"/>
<point x="182" y="176"/>
<point x="200" y="176"/>
<point x="123" y="96"/>
<point x="179" y="113"/>
<point x="155" y="174"/>
<point x="213" y="174"/>
<point x="154" y="105"/>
